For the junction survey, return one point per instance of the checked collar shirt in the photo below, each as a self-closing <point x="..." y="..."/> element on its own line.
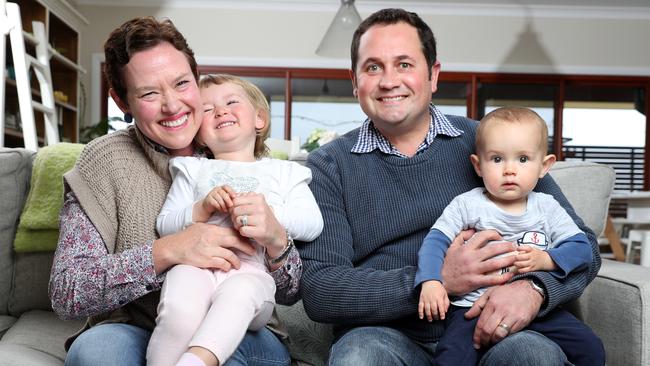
<point x="370" y="138"/>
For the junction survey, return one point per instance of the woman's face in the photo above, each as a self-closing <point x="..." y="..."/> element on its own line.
<point x="163" y="97"/>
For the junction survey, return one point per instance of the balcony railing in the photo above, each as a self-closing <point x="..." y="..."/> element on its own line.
<point x="628" y="163"/>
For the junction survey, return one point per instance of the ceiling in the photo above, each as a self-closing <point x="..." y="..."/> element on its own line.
<point x="619" y="4"/>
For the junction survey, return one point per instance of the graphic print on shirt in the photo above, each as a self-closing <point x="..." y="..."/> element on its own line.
<point x="536" y="239"/>
<point x="239" y="184"/>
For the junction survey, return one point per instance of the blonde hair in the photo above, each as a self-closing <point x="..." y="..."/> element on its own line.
<point x="512" y="115"/>
<point x="256" y="98"/>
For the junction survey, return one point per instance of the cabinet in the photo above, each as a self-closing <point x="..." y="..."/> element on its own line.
<point x="63" y="24"/>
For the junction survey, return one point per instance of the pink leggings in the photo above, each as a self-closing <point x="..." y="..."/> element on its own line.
<point x="209" y="309"/>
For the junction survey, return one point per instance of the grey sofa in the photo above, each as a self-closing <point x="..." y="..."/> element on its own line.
<point x="615" y="305"/>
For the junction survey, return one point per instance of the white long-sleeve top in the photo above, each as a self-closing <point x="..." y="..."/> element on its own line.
<point x="284" y="185"/>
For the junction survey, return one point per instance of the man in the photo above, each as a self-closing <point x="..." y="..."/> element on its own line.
<point x="381" y="187"/>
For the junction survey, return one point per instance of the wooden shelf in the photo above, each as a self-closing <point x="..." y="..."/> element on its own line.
<point x="63" y="24"/>
<point x="67" y="106"/>
<point x="12" y="84"/>
<point x="10" y="131"/>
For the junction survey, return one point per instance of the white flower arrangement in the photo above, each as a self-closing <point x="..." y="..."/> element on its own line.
<point x="317" y="138"/>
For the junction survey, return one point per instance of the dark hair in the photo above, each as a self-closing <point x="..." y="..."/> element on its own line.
<point x="136" y="35"/>
<point x="394" y="16"/>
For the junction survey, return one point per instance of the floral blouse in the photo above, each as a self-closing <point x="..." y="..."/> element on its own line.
<point x="86" y="280"/>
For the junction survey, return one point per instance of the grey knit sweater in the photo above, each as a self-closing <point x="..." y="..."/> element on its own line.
<point x="121" y="182"/>
<point x="377" y="210"/>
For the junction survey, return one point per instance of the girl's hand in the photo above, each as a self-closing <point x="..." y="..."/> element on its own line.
<point x="531" y="259"/>
<point x="254" y="218"/>
<point x="218" y="199"/>
<point x="434" y="301"/>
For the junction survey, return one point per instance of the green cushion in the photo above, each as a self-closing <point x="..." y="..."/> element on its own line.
<point x="39" y="222"/>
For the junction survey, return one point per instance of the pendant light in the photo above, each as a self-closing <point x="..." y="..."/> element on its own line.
<point x="337" y="40"/>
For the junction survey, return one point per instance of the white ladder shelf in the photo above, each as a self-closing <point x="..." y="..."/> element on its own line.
<point x="23" y="62"/>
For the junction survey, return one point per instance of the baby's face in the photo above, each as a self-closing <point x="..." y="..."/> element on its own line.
<point x="511" y="160"/>
<point x="229" y="119"/>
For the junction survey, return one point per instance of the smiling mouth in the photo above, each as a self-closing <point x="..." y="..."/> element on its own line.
<point x="392" y="99"/>
<point x="176" y="122"/>
<point x="225" y="124"/>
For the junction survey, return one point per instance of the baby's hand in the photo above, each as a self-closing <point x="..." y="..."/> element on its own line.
<point x="531" y="259"/>
<point x="434" y="301"/>
<point x="218" y="199"/>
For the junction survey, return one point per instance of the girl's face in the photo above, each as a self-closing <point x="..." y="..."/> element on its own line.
<point x="163" y="97"/>
<point x="230" y="122"/>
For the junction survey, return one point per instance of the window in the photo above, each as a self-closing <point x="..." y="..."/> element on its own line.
<point x="582" y="112"/>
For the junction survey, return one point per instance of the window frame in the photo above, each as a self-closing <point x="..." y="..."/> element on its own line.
<point x="474" y="81"/>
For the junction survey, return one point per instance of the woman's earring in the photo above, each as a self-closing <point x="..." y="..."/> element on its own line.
<point x="128" y="117"/>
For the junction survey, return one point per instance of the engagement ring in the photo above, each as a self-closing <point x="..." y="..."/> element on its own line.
<point x="244" y="220"/>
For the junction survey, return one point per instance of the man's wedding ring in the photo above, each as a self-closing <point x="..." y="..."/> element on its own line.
<point x="505" y="327"/>
<point x="244" y="220"/>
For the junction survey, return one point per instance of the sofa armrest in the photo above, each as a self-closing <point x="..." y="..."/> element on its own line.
<point x="616" y="305"/>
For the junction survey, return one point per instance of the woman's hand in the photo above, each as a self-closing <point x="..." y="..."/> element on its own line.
<point x="200" y="245"/>
<point x="254" y="219"/>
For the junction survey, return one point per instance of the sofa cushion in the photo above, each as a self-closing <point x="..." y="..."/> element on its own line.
<point x="37" y="339"/>
<point x="38" y="229"/>
<point x="616" y="306"/>
<point x="6" y="322"/>
<point x="31" y="278"/>
<point x="588" y="187"/>
<point x="15" y="172"/>
<point x="309" y="342"/>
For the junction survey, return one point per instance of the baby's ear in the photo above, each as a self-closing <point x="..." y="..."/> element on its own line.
<point x="547" y="163"/>
<point x="476" y="164"/>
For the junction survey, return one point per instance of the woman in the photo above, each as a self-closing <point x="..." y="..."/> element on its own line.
<point x="109" y="264"/>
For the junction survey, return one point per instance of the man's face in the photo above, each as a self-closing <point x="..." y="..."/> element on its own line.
<point x="392" y="78"/>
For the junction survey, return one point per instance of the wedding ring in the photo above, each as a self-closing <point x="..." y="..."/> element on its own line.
<point x="505" y="326"/>
<point x="244" y="220"/>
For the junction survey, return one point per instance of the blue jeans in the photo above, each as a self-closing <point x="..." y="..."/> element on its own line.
<point x="577" y="341"/>
<point x="123" y="344"/>
<point x="386" y="346"/>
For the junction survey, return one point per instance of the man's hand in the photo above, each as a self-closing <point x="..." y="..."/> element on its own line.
<point x="471" y="265"/>
<point x="503" y="310"/>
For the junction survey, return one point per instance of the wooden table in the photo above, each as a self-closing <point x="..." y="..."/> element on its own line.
<point x="638" y="216"/>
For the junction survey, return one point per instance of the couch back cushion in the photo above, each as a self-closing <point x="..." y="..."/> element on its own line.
<point x="15" y="172"/>
<point x="588" y="187"/>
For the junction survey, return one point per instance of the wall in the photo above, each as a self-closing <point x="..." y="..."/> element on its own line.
<point x="506" y="40"/>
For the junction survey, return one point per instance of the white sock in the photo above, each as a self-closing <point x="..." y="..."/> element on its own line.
<point x="190" y="359"/>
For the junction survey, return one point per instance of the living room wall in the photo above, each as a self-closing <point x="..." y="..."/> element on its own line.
<point x="495" y="41"/>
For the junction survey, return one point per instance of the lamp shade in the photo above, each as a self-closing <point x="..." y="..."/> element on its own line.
<point x="337" y="40"/>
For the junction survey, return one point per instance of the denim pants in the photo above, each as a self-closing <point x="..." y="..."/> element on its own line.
<point x="578" y="342"/>
<point x="377" y="346"/>
<point x="123" y="344"/>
